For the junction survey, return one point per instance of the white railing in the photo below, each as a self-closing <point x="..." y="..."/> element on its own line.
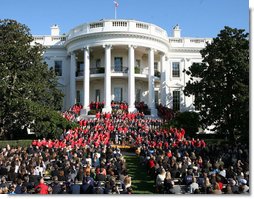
<point x="189" y="42"/>
<point x="118" y="25"/>
<point x="176" y="40"/>
<point x="49" y="40"/>
<point x="96" y="25"/>
<point x="142" y="26"/>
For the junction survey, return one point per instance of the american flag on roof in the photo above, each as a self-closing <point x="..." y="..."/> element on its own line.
<point x="116" y="3"/>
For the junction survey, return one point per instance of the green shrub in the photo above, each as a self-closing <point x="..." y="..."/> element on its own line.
<point x="137" y="70"/>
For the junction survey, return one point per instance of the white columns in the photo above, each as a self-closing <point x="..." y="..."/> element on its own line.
<point x="131" y="79"/>
<point x="163" y="84"/>
<point x="86" y="82"/>
<point x="151" y="97"/>
<point x="107" y="80"/>
<point x="73" y="79"/>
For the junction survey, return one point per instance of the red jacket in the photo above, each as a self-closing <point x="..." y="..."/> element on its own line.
<point x="43" y="187"/>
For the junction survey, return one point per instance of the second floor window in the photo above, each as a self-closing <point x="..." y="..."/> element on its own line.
<point x="175" y="69"/>
<point x="58" y="68"/>
<point x="118" y="64"/>
<point x="98" y="63"/>
<point x="80" y="69"/>
<point x="156" y="66"/>
<point x="78" y="97"/>
<point x="138" y="63"/>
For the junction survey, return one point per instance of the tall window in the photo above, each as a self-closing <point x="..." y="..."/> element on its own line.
<point x="80" y="69"/>
<point x="78" y="97"/>
<point x="58" y="68"/>
<point x="118" y="92"/>
<point x="138" y="95"/>
<point x="176" y="69"/>
<point x="137" y="66"/>
<point x="98" y="63"/>
<point x="155" y="65"/>
<point x="97" y="95"/>
<point x="138" y="63"/>
<point x="176" y="100"/>
<point x="156" y="97"/>
<point x="118" y="64"/>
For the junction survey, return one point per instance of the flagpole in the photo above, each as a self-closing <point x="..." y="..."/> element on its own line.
<point x="115" y="12"/>
<point x="116" y="5"/>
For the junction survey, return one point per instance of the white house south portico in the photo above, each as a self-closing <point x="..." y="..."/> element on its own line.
<point x="122" y="60"/>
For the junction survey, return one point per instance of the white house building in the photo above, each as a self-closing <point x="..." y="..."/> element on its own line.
<point x="122" y="60"/>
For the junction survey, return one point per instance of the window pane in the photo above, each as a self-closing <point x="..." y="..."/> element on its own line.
<point x="98" y="63"/>
<point x="58" y="68"/>
<point x="155" y="65"/>
<point x="138" y="62"/>
<point x="80" y="69"/>
<point x="118" y="94"/>
<point x="78" y="97"/>
<point x="97" y="95"/>
<point x="156" y="95"/>
<point x="176" y="100"/>
<point x="118" y="64"/>
<point x="176" y="69"/>
<point x="138" y="95"/>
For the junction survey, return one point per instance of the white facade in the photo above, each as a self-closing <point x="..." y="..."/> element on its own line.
<point x="122" y="60"/>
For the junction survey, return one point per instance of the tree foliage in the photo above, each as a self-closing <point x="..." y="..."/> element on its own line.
<point x="220" y="83"/>
<point x="189" y="121"/>
<point x="27" y="88"/>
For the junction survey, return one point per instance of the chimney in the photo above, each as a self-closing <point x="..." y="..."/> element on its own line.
<point x="177" y="31"/>
<point x="55" y="31"/>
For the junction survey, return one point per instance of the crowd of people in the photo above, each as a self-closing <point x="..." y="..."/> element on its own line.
<point x="44" y="170"/>
<point x="198" y="168"/>
<point x="83" y="159"/>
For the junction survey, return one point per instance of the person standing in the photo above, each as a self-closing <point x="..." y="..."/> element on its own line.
<point x="42" y="187"/>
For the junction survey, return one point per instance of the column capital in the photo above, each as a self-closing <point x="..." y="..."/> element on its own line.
<point x="162" y="53"/>
<point x="72" y="53"/>
<point x="107" y="46"/>
<point x="86" y="48"/>
<point x="132" y="46"/>
<point x="151" y="50"/>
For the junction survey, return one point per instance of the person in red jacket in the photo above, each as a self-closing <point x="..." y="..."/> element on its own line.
<point x="42" y="187"/>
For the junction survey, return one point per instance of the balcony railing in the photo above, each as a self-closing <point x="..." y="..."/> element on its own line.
<point x="101" y="70"/>
<point x="79" y="73"/>
<point x="145" y="71"/>
<point x="98" y="70"/>
<point x="141" y="71"/>
<point x="119" y="69"/>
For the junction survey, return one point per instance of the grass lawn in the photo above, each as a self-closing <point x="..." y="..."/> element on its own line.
<point x="140" y="181"/>
<point x="14" y="143"/>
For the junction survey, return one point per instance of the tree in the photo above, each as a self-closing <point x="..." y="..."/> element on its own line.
<point x="189" y="121"/>
<point x="25" y="81"/>
<point x="220" y="83"/>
